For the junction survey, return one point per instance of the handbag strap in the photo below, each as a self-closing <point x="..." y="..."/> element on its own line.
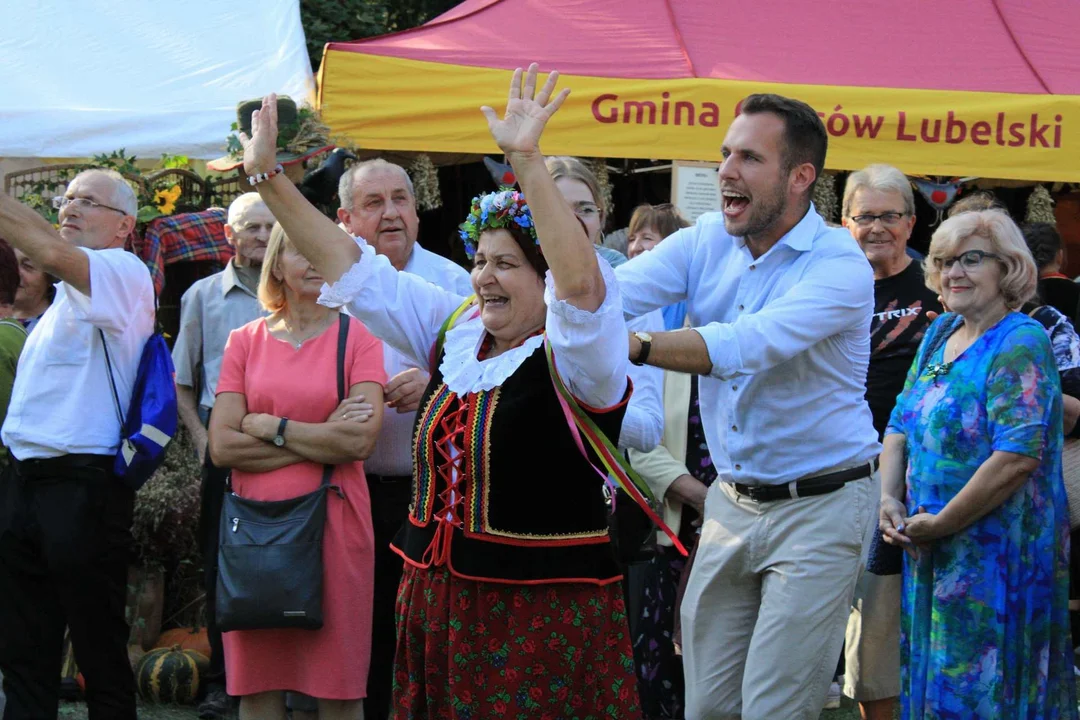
<point x="112" y="381"/>
<point x="342" y="343"/>
<point x="626" y="478"/>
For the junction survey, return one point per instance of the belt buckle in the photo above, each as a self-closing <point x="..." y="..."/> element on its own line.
<point x="757" y="493"/>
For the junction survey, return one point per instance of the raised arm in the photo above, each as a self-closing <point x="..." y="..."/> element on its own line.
<point x="31" y="233"/>
<point x="328" y="248"/>
<point x="401" y="309"/>
<point x="566" y="247"/>
<point x="584" y="322"/>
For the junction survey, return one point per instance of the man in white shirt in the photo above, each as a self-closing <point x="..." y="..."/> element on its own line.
<point x="378" y="203"/>
<point x="211" y="309"/>
<point x="781" y="307"/>
<point x="65" y="518"/>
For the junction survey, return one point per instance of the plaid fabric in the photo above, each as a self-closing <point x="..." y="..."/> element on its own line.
<point x="186" y="237"/>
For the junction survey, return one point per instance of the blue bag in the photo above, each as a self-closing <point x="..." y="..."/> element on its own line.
<point x="151" y="418"/>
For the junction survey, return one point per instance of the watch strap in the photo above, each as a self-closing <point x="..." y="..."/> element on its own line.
<point x="281" y="427"/>
<point x="646" y="346"/>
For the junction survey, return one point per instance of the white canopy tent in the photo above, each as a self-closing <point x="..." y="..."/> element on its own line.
<point x="84" y="77"/>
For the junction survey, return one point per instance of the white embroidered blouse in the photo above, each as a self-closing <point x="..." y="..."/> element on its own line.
<point x="406" y="312"/>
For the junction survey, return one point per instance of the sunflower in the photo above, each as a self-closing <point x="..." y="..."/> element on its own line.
<point x="165" y="200"/>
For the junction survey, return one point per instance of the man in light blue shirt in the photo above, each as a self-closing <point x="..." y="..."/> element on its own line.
<point x="781" y="307"/>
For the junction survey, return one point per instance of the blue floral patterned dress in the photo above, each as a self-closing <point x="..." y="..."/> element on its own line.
<point x="985" y="625"/>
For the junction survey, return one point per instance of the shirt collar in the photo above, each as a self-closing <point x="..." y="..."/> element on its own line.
<point x="801" y="237"/>
<point x="410" y="264"/>
<point x="230" y="281"/>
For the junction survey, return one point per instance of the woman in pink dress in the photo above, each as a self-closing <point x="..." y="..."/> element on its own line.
<point x="279" y="382"/>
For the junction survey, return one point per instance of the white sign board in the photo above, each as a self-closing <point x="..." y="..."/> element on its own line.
<point x="695" y="188"/>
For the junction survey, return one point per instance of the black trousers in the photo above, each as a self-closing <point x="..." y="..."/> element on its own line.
<point x="211" y="500"/>
<point x="390" y="497"/>
<point x="65" y="547"/>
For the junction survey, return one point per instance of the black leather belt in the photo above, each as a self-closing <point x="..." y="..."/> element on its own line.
<point x="54" y="466"/>
<point x="817" y="485"/>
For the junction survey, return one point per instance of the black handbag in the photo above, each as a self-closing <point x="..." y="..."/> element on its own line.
<point x="631" y="531"/>
<point x="270" y="563"/>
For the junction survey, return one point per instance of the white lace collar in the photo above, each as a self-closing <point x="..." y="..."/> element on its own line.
<point x="464" y="373"/>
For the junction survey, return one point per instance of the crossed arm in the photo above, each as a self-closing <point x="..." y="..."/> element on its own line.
<point x="242" y="440"/>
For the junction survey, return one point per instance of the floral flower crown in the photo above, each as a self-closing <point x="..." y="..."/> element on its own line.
<point x="503" y="209"/>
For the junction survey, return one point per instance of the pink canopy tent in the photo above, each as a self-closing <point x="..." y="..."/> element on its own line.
<point x="967" y="87"/>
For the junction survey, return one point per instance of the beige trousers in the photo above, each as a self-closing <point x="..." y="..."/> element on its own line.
<point x="767" y="602"/>
<point x="872" y="644"/>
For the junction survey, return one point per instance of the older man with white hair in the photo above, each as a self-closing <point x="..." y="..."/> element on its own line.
<point x="378" y="203"/>
<point x="879" y="212"/>
<point x="210" y="309"/>
<point x="65" y="517"/>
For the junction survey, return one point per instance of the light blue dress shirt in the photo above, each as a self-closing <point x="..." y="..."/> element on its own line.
<point x="788" y="334"/>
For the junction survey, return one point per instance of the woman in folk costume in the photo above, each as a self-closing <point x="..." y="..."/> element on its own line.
<point x="510" y="603"/>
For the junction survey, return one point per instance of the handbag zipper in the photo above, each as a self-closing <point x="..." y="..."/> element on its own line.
<point x="236" y="523"/>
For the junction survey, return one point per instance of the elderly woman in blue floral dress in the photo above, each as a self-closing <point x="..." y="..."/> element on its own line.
<point x="972" y="489"/>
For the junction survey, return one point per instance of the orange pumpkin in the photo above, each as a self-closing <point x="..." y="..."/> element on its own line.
<point x="187" y="638"/>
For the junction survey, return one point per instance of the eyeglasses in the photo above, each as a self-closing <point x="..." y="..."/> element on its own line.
<point x="60" y="202"/>
<point x="888" y="219"/>
<point x="586" y="210"/>
<point x="970" y="260"/>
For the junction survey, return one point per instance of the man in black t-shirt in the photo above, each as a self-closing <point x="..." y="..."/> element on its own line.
<point x="879" y="212"/>
<point x="1055" y="289"/>
<point x="901" y="303"/>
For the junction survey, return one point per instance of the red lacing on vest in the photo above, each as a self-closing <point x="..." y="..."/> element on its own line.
<point x="449" y="463"/>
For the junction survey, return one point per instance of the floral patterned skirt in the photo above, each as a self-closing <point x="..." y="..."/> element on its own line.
<point x="472" y="650"/>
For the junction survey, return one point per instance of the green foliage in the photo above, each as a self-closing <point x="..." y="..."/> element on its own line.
<point x="344" y="20"/>
<point x="117" y="160"/>
<point x="154" y="199"/>
<point x="175" y="162"/>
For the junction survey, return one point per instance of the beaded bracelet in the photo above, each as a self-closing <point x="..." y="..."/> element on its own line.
<point x="260" y="177"/>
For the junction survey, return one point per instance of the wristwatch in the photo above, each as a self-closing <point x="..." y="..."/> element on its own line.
<point x="646" y="345"/>
<point x="279" y="439"/>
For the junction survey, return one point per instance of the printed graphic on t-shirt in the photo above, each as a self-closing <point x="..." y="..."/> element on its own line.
<point x="901" y="304"/>
<point x="897" y="330"/>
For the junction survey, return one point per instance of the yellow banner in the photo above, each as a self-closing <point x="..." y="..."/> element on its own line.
<point x="388" y="103"/>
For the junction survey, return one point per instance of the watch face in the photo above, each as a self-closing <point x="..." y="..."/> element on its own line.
<point x="279" y="441"/>
<point x="644" y="337"/>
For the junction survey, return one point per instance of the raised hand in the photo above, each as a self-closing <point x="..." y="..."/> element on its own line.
<point x="526" y="116"/>
<point x="260" y="150"/>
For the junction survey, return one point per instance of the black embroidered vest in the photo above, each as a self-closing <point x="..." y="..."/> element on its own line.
<point x="525" y="506"/>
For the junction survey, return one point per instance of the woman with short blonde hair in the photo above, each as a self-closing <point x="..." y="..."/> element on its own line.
<point x="277" y="423"/>
<point x="972" y="488"/>
<point x="1020" y="278"/>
